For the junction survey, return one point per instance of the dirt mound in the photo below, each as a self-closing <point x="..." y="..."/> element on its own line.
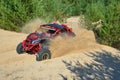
<point x="87" y="60"/>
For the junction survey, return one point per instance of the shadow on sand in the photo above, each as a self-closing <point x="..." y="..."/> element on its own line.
<point x="104" y="67"/>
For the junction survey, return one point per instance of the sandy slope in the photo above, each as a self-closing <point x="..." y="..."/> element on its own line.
<point x="80" y="58"/>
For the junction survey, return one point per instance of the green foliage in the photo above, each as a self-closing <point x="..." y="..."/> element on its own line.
<point x="15" y="13"/>
<point x="12" y="14"/>
<point x="109" y="12"/>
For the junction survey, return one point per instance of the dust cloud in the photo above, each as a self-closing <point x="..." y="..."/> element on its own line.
<point x="60" y="46"/>
<point x="84" y="40"/>
<point x="32" y="25"/>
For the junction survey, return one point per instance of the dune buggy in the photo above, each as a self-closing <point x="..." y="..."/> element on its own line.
<point x="38" y="43"/>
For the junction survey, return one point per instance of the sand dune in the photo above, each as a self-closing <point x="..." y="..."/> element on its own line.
<point x="81" y="58"/>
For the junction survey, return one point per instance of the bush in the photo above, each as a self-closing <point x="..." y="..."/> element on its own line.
<point x="109" y="13"/>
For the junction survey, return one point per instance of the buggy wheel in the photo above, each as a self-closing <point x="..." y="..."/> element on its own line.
<point x="19" y="49"/>
<point x="43" y="55"/>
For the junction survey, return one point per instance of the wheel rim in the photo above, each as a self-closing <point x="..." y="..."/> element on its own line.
<point x="45" y="56"/>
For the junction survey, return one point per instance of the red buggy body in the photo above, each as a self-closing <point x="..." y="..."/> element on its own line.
<point x="37" y="43"/>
